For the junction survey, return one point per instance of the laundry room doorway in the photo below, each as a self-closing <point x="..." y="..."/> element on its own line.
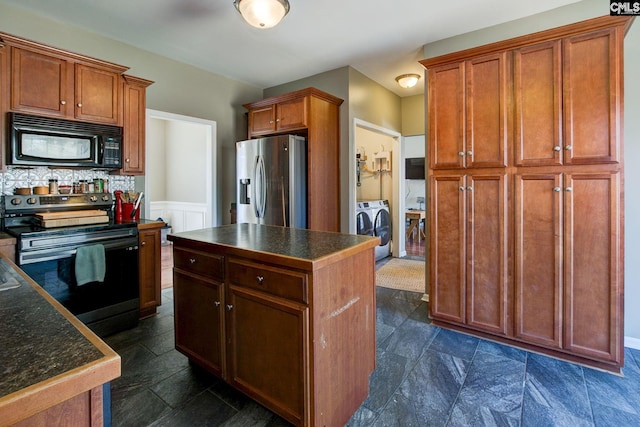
<point x="376" y="172"/>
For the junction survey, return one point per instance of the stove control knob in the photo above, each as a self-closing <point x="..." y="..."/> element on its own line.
<point x="16" y="201"/>
<point x="105" y="198"/>
<point x="32" y="200"/>
<point x="93" y="198"/>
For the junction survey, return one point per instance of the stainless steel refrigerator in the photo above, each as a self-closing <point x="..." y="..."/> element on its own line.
<point x="272" y="181"/>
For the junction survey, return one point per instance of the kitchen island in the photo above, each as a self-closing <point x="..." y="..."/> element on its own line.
<point x="285" y="315"/>
<point x="53" y="366"/>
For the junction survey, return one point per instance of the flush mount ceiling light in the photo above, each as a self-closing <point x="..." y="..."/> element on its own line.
<point x="262" y="13"/>
<point x="408" y="80"/>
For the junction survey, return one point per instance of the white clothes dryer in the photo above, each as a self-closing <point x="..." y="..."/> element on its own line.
<point x="381" y="219"/>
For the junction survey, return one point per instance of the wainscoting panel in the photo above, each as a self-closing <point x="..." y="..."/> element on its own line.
<point x="181" y="216"/>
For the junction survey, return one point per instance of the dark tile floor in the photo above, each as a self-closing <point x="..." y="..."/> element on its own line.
<point x="425" y="376"/>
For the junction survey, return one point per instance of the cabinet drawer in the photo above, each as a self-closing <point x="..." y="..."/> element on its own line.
<point x="284" y="283"/>
<point x="199" y="263"/>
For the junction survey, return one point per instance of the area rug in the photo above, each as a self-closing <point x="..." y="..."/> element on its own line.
<point x="403" y="274"/>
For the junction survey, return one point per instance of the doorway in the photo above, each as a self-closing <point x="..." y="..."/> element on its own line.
<point x="180" y="170"/>
<point x="379" y="176"/>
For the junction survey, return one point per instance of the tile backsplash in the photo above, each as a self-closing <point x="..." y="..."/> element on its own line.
<point x="16" y="177"/>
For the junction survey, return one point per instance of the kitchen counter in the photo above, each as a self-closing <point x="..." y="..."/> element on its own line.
<point x="286" y="316"/>
<point x="53" y="366"/>
<point x="304" y="248"/>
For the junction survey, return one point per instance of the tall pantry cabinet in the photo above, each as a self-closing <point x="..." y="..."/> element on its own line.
<point x="525" y="191"/>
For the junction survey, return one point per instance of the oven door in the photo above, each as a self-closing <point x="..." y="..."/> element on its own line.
<point x="106" y="307"/>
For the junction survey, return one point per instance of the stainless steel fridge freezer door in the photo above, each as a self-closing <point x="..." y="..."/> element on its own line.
<point x="246" y="155"/>
<point x="271" y="181"/>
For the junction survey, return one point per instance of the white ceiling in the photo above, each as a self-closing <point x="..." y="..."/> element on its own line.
<point x="381" y="39"/>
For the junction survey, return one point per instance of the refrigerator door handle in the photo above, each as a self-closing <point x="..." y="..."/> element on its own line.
<point x="260" y="186"/>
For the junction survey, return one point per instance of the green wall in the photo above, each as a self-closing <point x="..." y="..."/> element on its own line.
<point x="565" y="15"/>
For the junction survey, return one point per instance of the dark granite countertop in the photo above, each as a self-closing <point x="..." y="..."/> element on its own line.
<point x="38" y="343"/>
<point x="296" y="243"/>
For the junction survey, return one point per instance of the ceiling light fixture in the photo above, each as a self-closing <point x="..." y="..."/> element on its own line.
<point x="262" y="13"/>
<point x="408" y="80"/>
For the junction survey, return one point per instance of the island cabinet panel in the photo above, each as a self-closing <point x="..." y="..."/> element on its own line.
<point x="526" y="247"/>
<point x="297" y="324"/>
<point x="267" y="351"/>
<point x="316" y="116"/>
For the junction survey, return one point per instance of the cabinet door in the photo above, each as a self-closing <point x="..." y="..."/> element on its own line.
<point x="538" y="258"/>
<point x="262" y="120"/>
<point x="487" y="105"/>
<point x="198" y="317"/>
<point x="538" y="104"/>
<point x="4" y="101"/>
<point x="292" y="114"/>
<point x="97" y="95"/>
<point x="149" y="264"/>
<point x="40" y="84"/>
<point x="446" y="116"/>
<point x="447" y="242"/>
<point x="592" y="97"/>
<point x="134" y="144"/>
<point x="487" y="281"/>
<point x="593" y="267"/>
<point x="267" y="350"/>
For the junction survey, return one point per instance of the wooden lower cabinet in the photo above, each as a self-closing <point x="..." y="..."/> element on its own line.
<point x="469" y="278"/>
<point x="149" y="265"/>
<point x="199" y="319"/>
<point x="568" y="285"/>
<point x="275" y="330"/>
<point x="298" y="340"/>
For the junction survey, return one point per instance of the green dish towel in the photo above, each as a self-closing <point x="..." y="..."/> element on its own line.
<point x="90" y="264"/>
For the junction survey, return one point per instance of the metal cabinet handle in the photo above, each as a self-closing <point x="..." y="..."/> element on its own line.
<point x="229" y="307"/>
<point x="270" y="122"/>
<point x="556" y="189"/>
<point x="277" y="120"/>
<point x="461" y="153"/>
<point x="192" y="260"/>
<point x="470" y="188"/>
<point x="143" y="243"/>
<point x="557" y="148"/>
<point x="461" y="188"/>
<point x="568" y="189"/>
<point x="63" y="102"/>
<point x="79" y="104"/>
<point x="469" y="153"/>
<point x="260" y="279"/>
<point x="127" y="160"/>
<point x="568" y="148"/>
<point x="216" y="303"/>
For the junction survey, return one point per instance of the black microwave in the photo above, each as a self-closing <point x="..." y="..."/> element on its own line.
<point x="44" y="141"/>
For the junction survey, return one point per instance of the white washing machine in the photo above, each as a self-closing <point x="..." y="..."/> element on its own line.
<point x="364" y="219"/>
<point x="381" y="219"/>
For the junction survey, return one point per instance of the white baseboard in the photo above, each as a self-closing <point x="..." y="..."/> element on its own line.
<point x="632" y="342"/>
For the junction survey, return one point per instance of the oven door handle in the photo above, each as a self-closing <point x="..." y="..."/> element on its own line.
<point x="28" y="257"/>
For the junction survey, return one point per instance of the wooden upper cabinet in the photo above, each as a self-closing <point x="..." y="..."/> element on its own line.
<point x="279" y="117"/>
<point x="97" y="95"/>
<point x="447" y="116"/>
<point x="469" y="118"/>
<point x="487" y="102"/>
<point x="592" y="81"/>
<point x="538" y="104"/>
<point x="134" y="126"/>
<point x="48" y="83"/>
<point x="4" y="101"/>
<point x="41" y="84"/>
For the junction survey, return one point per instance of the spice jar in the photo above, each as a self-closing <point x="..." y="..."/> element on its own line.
<point x="97" y="185"/>
<point x="84" y="187"/>
<point x="53" y="186"/>
<point x="76" y="188"/>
